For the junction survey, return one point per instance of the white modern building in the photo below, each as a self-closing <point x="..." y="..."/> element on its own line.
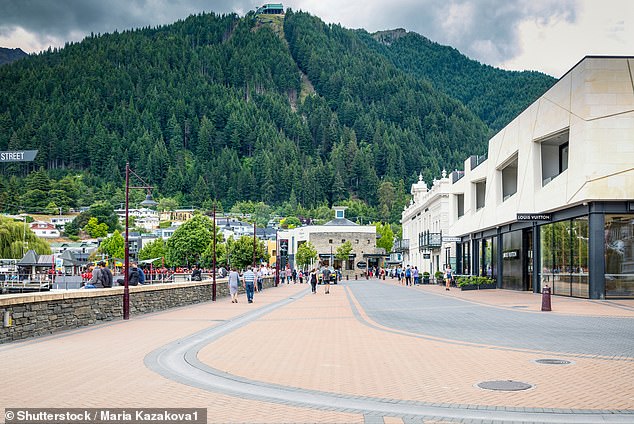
<point x="552" y="203"/>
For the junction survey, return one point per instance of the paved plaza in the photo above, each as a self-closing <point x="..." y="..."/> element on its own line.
<point x="369" y="352"/>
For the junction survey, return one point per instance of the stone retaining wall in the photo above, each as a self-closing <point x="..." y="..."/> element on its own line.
<point x="37" y="314"/>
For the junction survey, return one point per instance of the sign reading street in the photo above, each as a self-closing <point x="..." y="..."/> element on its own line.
<point x="18" y="156"/>
<point x="534" y="217"/>
<point x="448" y="239"/>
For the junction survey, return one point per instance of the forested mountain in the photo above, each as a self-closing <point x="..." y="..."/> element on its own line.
<point x="229" y="108"/>
<point x="495" y="95"/>
<point x="10" y="55"/>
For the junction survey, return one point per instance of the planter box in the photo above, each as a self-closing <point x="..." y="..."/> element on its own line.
<point x="469" y="287"/>
<point x="480" y="287"/>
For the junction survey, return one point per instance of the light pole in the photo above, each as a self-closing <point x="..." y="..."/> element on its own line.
<point x="213" y="266"/>
<point x="147" y="202"/>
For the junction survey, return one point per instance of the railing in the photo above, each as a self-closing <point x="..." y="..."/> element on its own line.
<point x="401" y="245"/>
<point x="456" y="176"/>
<point x="477" y="160"/>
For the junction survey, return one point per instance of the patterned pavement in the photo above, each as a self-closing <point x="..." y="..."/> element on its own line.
<point x="369" y="352"/>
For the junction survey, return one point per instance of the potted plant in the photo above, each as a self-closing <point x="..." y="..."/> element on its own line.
<point x="425" y="277"/>
<point x="440" y="277"/>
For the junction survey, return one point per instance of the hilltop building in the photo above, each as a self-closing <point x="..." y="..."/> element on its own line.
<point x="271" y="9"/>
<point x="552" y="202"/>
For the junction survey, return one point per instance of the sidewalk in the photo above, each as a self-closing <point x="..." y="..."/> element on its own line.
<point x="315" y="345"/>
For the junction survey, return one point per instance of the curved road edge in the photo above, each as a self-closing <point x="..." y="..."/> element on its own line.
<point x="178" y="361"/>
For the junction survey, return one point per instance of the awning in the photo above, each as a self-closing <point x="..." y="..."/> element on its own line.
<point x="149" y="261"/>
<point x="328" y="255"/>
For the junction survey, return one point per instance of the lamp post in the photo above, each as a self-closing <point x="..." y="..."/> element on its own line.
<point x="213" y="266"/>
<point x="147" y="202"/>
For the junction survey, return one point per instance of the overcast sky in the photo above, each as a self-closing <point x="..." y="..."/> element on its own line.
<point x="545" y="35"/>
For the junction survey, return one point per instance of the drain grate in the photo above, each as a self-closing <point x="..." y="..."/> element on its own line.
<point x="504" y="385"/>
<point x="553" y="361"/>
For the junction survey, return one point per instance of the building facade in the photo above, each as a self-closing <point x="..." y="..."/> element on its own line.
<point x="424" y="222"/>
<point x="552" y="202"/>
<point x="329" y="237"/>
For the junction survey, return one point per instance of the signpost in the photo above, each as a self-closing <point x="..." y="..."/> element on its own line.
<point x="18" y="156"/>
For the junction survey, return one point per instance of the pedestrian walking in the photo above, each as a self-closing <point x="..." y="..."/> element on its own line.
<point x="325" y="276"/>
<point x="416" y="275"/>
<point x="313" y="280"/>
<point x="448" y="277"/>
<point x="408" y="276"/>
<point x="249" y="283"/>
<point x="234" y="281"/>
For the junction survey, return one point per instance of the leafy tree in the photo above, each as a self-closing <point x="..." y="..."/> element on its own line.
<point x="16" y="239"/>
<point x="306" y="254"/>
<point x="240" y="252"/>
<point x="386" y="236"/>
<point x="343" y="252"/>
<point x="113" y="246"/>
<point x="290" y="222"/>
<point x="189" y="241"/>
<point x="154" y="249"/>
<point x="167" y="204"/>
<point x="96" y="229"/>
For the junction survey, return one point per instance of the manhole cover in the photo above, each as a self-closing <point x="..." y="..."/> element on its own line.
<point x="519" y="306"/>
<point x="553" y="361"/>
<point x="504" y="385"/>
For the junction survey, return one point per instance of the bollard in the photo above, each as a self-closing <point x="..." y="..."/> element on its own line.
<point x="383" y="277"/>
<point x="355" y="276"/>
<point x="347" y="277"/>
<point x="546" y="298"/>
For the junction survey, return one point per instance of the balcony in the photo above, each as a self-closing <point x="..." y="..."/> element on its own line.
<point x="428" y="240"/>
<point x="401" y="246"/>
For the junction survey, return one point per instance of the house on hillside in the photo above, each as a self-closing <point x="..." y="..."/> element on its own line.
<point x="270" y="9"/>
<point x="44" y="229"/>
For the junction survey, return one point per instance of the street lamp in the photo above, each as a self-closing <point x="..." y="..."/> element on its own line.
<point x="148" y="202"/>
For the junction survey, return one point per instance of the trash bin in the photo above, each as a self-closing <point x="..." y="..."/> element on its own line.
<point x="546" y="298"/>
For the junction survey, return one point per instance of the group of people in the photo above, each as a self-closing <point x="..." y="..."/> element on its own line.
<point x="100" y="276"/>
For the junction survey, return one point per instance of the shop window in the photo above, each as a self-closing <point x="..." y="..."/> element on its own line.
<point x="554" y="155"/>
<point x="480" y="193"/>
<point x="619" y="256"/>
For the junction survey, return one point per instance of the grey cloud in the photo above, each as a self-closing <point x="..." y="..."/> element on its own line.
<point x="61" y="19"/>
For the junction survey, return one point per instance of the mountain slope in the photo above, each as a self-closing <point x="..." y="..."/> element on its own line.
<point x="10" y="55"/>
<point x="495" y="95"/>
<point x="229" y="108"/>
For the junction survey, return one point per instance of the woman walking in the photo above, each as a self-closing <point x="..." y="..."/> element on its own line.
<point x="234" y="279"/>
<point x="447" y="277"/>
<point x="313" y="280"/>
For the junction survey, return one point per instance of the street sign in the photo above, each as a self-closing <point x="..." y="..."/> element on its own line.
<point x="18" y="156"/>
<point x="361" y="265"/>
<point x="448" y="239"/>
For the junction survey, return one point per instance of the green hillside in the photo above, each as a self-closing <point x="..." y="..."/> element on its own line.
<point x="234" y="109"/>
<point x="495" y="95"/>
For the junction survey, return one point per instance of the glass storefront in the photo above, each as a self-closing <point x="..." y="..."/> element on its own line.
<point x="564" y="257"/>
<point x="486" y="258"/>
<point x="512" y="259"/>
<point x="619" y="256"/>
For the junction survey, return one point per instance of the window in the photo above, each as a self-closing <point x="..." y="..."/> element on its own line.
<point x="339" y="214"/>
<point x="480" y="192"/>
<point x="509" y="178"/>
<point x="554" y="153"/>
<point x="330" y="241"/>
<point x="357" y="241"/>
<point x="343" y="240"/>
<point x="460" y="204"/>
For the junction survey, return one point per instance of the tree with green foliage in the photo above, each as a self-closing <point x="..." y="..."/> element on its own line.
<point x="188" y="243"/>
<point x="16" y="238"/>
<point x="343" y="252"/>
<point x="306" y="254"/>
<point x="240" y="252"/>
<point x="386" y="236"/>
<point x="96" y="229"/>
<point x="290" y="222"/>
<point x="154" y="249"/>
<point x="113" y="246"/>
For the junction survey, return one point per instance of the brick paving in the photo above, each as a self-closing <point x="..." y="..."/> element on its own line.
<point x="322" y="345"/>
